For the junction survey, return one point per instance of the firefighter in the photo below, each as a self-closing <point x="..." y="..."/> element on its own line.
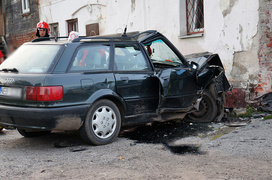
<point x="42" y="29"/>
<point x="1" y="57"/>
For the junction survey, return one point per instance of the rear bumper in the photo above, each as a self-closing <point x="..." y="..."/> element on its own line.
<point x="61" y="118"/>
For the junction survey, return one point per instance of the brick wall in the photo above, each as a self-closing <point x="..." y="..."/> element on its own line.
<point x="21" y="27"/>
<point x="265" y="48"/>
<point x="18" y="40"/>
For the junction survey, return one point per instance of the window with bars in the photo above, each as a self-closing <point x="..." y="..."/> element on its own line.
<point x="25" y="6"/>
<point x="194" y="16"/>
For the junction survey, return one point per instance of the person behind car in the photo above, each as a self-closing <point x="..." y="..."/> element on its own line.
<point x="42" y="29"/>
<point x="1" y="57"/>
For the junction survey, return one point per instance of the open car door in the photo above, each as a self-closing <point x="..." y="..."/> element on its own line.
<point x="178" y="79"/>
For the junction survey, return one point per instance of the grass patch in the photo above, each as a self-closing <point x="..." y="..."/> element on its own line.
<point x="249" y="112"/>
<point x="268" y="117"/>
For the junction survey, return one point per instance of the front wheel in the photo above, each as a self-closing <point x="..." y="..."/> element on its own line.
<point x="32" y="133"/>
<point x="207" y="109"/>
<point x="102" y="124"/>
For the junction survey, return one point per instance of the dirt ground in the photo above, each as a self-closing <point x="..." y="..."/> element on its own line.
<point x="163" y="151"/>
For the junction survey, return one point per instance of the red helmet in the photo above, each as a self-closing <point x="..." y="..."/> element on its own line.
<point x="42" y="25"/>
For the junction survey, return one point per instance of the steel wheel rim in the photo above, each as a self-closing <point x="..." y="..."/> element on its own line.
<point x="203" y="110"/>
<point x="104" y="122"/>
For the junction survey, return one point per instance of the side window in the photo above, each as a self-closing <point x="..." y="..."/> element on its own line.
<point x="159" y="52"/>
<point x="93" y="57"/>
<point x="129" y="58"/>
<point x="25" y="6"/>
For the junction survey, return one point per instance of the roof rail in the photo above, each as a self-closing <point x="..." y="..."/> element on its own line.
<point x="88" y="37"/>
<point x="111" y="37"/>
<point x="48" y="38"/>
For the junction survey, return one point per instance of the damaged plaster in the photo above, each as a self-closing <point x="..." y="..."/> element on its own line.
<point x="132" y="6"/>
<point x="239" y="36"/>
<point x="226" y="6"/>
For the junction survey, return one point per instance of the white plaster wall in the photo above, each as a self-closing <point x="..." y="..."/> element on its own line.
<point x="231" y="26"/>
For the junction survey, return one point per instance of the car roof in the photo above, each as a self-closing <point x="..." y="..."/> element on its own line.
<point x="130" y="36"/>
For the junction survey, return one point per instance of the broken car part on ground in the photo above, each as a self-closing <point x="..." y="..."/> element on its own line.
<point x="98" y="84"/>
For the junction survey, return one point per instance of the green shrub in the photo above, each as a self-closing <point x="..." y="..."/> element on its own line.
<point x="268" y="117"/>
<point x="249" y="111"/>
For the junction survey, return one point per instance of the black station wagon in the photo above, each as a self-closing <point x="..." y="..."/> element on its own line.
<point x="97" y="84"/>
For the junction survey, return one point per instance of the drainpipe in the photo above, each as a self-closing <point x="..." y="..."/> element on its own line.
<point x="4" y="15"/>
<point x="5" y="45"/>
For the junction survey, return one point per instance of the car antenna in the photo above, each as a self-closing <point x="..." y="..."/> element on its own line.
<point x="125" y="32"/>
<point x="56" y="39"/>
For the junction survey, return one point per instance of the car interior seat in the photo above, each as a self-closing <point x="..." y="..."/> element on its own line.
<point x="93" y="60"/>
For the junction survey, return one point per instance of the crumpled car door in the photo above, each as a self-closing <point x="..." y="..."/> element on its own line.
<point x="178" y="89"/>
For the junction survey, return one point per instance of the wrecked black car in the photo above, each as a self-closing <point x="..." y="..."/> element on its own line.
<point x="97" y="84"/>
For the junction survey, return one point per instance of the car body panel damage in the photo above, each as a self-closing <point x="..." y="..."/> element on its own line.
<point x="210" y="70"/>
<point x="178" y="90"/>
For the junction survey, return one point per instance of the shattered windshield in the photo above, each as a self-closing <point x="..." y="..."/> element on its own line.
<point x="32" y="58"/>
<point x="161" y="53"/>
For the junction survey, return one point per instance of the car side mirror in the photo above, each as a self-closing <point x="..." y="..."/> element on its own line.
<point x="194" y="66"/>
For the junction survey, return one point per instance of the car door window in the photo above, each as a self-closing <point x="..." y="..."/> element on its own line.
<point x="129" y="58"/>
<point x="93" y="57"/>
<point x="159" y="52"/>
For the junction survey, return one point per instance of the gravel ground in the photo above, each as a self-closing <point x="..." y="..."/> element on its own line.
<point x="164" y="151"/>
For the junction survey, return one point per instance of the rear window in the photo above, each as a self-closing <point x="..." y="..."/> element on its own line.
<point x="32" y="58"/>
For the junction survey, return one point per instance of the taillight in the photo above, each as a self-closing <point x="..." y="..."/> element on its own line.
<point x="31" y="93"/>
<point x="46" y="93"/>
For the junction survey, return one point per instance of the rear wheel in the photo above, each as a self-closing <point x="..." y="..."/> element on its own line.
<point x="207" y="109"/>
<point x="102" y="124"/>
<point x="32" y="133"/>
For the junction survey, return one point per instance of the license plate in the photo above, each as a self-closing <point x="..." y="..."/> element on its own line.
<point x="11" y="92"/>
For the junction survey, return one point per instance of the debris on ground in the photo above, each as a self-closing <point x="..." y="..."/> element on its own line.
<point x="237" y="121"/>
<point x="64" y="144"/>
<point x="121" y="157"/>
<point x="260" y="115"/>
<point x="77" y="149"/>
<point x="265" y="102"/>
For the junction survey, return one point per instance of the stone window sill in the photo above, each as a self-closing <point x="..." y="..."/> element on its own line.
<point x="26" y="14"/>
<point x="191" y="36"/>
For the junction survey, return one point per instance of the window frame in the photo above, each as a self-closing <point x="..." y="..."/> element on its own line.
<point x="25" y="3"/>
<point x="109" y="69"/>
<point x="71" y="21"/>
<point x="141" y="48"/>
<point x="170" y="45"/>
<point x="52" y="26"/>
<point x="193" y="17"/>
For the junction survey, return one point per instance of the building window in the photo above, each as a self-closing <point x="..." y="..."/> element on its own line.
<point x="194" y="16"/>
<point x="54" y="29"/>
<point x="72" y="25"/>
<point x="25" y="6"/>
<point x="1" y="7"/>
<point x="92" y="29"/>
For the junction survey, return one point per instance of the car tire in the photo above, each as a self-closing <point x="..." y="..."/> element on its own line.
<point x="102" y="124"/>
<point x="207" y="109"/>
<point x="26" y="133"/>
